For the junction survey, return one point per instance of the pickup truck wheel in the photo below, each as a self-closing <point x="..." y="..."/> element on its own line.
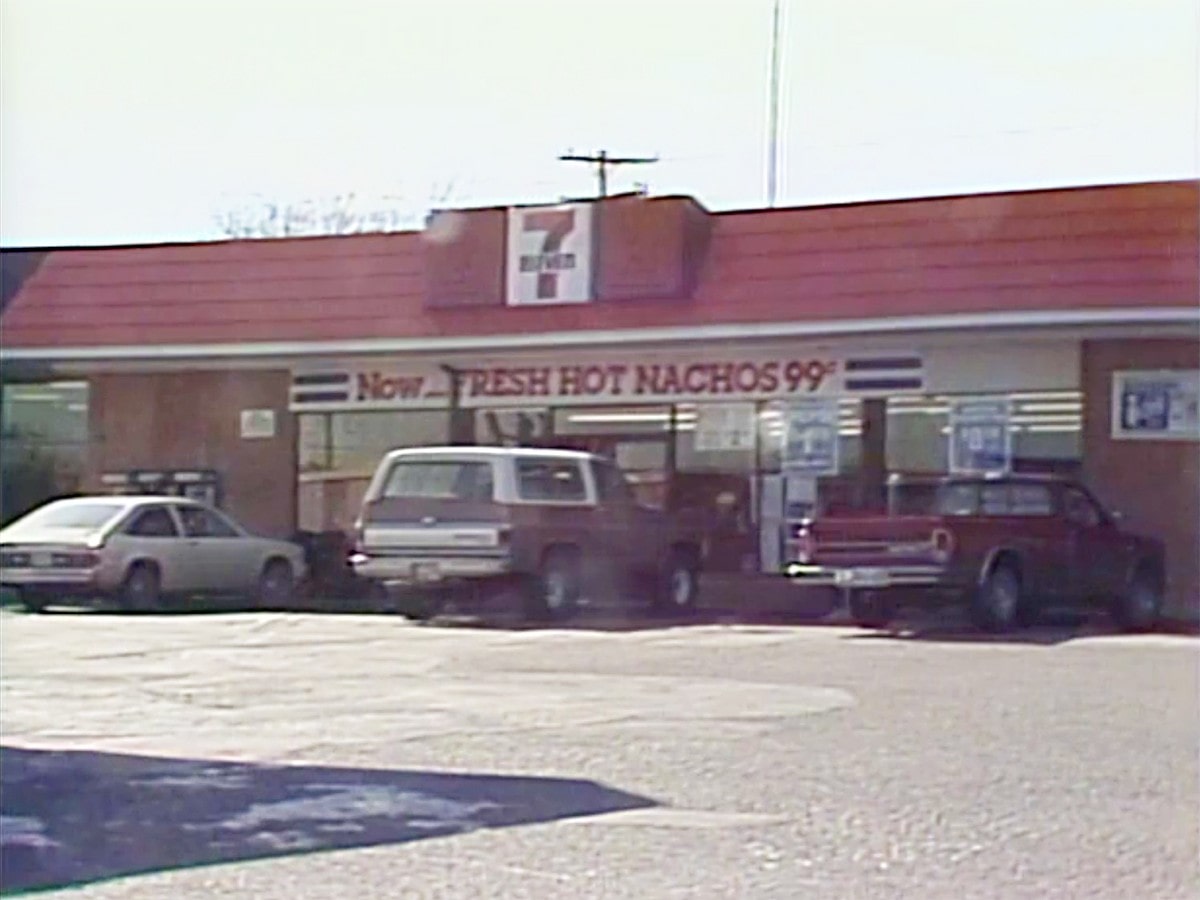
<point x="680" y="585"/>
<point x="997" y="603"/>
<point x="1139" y="606"/>
<point x="871" y="609"/>
<point x="554" y="592"/>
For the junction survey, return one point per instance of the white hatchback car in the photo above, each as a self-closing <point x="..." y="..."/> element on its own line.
<point x="142" y="551"/>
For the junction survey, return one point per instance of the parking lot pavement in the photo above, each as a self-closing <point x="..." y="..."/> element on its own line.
<point x="271" y="755"/>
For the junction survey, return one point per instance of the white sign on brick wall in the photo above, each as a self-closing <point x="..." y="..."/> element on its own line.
<point x="257" y="424"/>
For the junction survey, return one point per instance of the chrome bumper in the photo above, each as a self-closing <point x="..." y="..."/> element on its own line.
<point x="864" y="577"/>
<point x="38" y="577"/>
<point x="410" y="570"/>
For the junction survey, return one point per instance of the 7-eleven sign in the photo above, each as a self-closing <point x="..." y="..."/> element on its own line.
<point x="549" y="254"/>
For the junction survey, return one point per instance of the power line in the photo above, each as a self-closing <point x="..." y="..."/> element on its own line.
<point x="602" y="161"/>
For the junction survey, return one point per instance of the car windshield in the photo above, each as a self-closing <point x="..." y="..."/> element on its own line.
<point x="81" y="516"/>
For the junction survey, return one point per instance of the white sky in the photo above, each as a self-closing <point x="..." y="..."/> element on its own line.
<point x="140" y="120"/>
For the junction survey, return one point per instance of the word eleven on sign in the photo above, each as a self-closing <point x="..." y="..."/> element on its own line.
<point x="653" y="379"/>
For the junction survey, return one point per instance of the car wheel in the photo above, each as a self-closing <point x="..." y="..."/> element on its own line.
<point x="871" y="609"/>
<point x="34" y="601"/>
<point x="276" y="585"/>
<point x="680" y="585"/>
<point x="142" y="589"/>
<point x="998" y="602"/>
<point x="1139" y="606"/>
<point x="554" y="592"/>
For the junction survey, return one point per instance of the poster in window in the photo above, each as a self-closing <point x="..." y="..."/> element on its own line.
<point x="1161" y="406"/>
<point x="723" y="427"/>
<point x="811" y="443"/>
<point x="980" y="440"/>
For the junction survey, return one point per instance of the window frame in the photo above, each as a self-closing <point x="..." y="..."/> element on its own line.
<point x="1074" y="490"/>
<point x="141" y="512"/>
<point x="1015" y="510"/>
<point x="182" y="509"/>
<point x="605" y="473"/>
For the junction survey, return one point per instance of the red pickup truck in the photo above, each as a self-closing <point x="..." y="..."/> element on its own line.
<point x="1004" y="547"/>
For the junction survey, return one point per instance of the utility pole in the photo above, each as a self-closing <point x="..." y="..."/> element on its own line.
<point x="773" y="100"/>
<point x="601" y="160"/>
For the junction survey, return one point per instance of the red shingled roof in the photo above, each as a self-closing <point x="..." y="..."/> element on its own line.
<point x="1113" y="247"/>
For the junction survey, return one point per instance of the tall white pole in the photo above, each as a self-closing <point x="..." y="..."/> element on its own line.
<point x="773" y="126"/>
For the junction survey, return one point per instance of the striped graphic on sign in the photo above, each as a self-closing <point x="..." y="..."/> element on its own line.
<point x="885" y="373"/>
<point x="321" y="387"/>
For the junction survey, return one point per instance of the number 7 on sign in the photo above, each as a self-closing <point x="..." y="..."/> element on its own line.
<point x="555" y="226"/>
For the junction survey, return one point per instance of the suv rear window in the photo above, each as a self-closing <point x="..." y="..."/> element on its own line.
<point x="439" y="480"/>
<point x="550" y="479"/>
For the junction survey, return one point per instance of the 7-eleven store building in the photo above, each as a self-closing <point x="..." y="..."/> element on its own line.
<point x="271" y="375"/>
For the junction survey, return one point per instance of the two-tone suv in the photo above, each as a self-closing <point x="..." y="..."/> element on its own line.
<point x="558" y="526"/>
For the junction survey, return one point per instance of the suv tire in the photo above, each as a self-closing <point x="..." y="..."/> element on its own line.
<point x="554" y="592"/>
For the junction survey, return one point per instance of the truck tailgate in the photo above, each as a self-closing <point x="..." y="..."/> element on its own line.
<point x="870" y="541"/>
<point x="870" y="552"/>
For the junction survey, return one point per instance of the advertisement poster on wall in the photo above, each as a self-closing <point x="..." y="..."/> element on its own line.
<point x="980" y="440"/>
<point x="722" y="427"/>
<point x="1161" y="406"/>
<point x="811" y="439"/>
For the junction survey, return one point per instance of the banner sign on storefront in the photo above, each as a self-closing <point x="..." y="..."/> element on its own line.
<point x="811" y="437"/>
<point x="725" y="427"/>
<point x="980" y="440"/>
<point x="549" y="258"/>
<point x="1161" y="406"/>
<point x="674" y="378"/>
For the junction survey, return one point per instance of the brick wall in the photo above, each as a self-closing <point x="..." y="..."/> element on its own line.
<point x="193" y="420"/>
<point x="1156" y="484"/>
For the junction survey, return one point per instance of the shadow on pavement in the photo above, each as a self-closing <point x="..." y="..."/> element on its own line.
<point x="592" y="619"/>
<point x="1054" y="628"/>
<point x="75" y="817"/>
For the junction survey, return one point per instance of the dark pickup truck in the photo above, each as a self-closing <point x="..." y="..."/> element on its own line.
<point x="1004" y="547"/>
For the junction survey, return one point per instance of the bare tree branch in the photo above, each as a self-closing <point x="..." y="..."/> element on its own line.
<point x="342" y="214"/>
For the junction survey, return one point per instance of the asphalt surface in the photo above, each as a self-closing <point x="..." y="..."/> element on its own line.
<point x="309" y="756"/>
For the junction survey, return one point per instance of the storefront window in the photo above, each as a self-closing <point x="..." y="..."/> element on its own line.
<point x="636" y="438"/>
<point x="772" y="427"/>
<point x="338" y="453"/>
<point x="1046" y="429"/>
<point x="512" y="427"/>
<point x="315" y="450"/>
<point x="358" y="440"/>
<point x="45" y="430"/>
